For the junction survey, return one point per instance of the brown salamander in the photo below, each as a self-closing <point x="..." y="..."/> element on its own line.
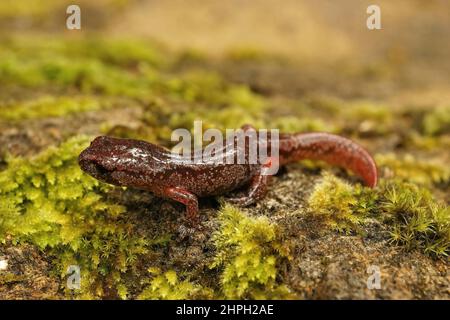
<point x="142" y="165"/>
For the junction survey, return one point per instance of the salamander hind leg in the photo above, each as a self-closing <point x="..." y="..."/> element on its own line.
<point x="256" y="191"/>
<point x="189" y="200"/>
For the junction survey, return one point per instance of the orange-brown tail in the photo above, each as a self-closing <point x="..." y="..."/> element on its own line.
<point x="332" y="149"/>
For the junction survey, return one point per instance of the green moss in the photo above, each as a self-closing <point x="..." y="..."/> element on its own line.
<point x="126" y="53"/>
<point x="221" y="106"/>
<point x="49" y="106"/>
<point x="437" y="121"/>
<point x="251" y="54"/>
<point x="248" y="250"/>
<point x="83" y="74"/>
<point x="8" y="278"/>
<point x="231" y="117"/>
<point x="367" y="110"/>
<point x="110" y="67"/>
<point x="111" y="52"/>
<point x="367" y="117"/>
<point x="115" y="68"/>
<point x="328" y="104"/>
<point x="415" y="218"/>
<point x="49" y="202"/>
<point x="191" y="56"/>
<point x="414" y="170"/>
<point x="415" y="140"/>
<point x="168" y="286"/>
<point x="342" y="207"/>
<point x="293" y="124"/>
<point x="46" y="9"/>
<point x="208" y="87"/>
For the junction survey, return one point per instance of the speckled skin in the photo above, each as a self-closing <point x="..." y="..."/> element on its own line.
<point x="142" y="165"/>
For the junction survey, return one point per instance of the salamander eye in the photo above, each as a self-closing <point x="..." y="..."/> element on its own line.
<point x="102" y="140"/>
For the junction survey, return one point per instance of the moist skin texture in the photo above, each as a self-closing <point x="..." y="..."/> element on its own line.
<point x="142" y="165"/>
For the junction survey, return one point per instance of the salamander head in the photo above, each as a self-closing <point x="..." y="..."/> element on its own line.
<point x="122" y="162"/>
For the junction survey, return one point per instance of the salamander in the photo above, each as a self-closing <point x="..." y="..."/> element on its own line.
<point x="146" y="166"/>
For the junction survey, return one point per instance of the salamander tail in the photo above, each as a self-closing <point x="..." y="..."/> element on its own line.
<point x="333" y="149"/>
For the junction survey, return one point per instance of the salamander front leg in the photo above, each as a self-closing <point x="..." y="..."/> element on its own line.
<point x="187" y="198"/>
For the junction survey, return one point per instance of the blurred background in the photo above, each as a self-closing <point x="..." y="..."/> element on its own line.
<point x="329" y="37"/>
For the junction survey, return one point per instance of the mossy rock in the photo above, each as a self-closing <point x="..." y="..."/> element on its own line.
<point x="313" y="236"/>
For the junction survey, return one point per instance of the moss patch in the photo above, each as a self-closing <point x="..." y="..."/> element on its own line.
<point x="50" y="202"/>
<point x="416" y="218"/>
<point x="411" y="169"/>
<point x="248" y="249"/>
<point x="342" y="207"/>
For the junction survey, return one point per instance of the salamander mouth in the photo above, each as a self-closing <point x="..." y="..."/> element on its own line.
<point x="94" y="169"/>
<point x="100" y="172"/>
